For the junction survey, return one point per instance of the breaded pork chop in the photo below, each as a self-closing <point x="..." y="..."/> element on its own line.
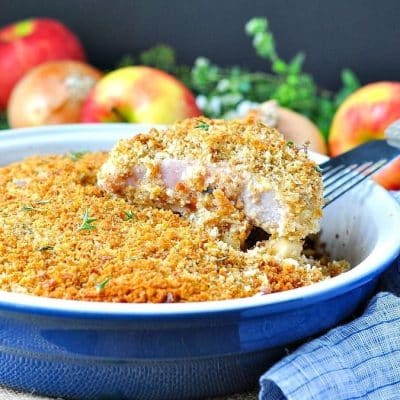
<point x="228" y="176"/>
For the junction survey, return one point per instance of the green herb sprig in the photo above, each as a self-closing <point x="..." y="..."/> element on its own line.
<point x="203" y="125"/>
<point x="87" y="222"/>
<point x="3" y="121"/>
<point x="27" y="207"/>
<point x="77" y="155"/>
<point x="101" y="286"/>
<point x="222" y="90"/>
<point x="129" y="215"/>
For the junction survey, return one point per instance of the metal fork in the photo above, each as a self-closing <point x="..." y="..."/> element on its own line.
<point x="342" y="173"/>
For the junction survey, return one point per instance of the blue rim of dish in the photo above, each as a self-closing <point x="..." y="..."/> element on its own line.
<point x="369" y="269"/>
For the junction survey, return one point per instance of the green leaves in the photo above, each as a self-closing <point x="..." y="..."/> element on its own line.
<point x="256" y="25"/>
<point x="294" y="88"/>
<point x="222" y="91"/>
<point x="350" y="83"/>
<point x="3" y="121"/>
<point x="126" y="61"/>
<point x="101" y="286"/>
<point x="203" y="126"/>
<point x="77" y="155"/>
<point x="27" y="207"/>
<point x="160" y="56"/>
<point x="264" y="45"/>
<point x="205" y="76"/>
<point x="31" y="207"/>
<point x="87" y="222"/>
<point x="129" y="215"/>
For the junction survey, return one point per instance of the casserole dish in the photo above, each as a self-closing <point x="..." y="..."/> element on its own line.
<point x="92" y="350"/>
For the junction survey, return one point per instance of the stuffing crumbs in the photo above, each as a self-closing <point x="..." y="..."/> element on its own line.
<point x="61" y="236"/>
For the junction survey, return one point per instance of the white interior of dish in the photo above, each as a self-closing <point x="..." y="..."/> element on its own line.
<point x="363" y="226"/>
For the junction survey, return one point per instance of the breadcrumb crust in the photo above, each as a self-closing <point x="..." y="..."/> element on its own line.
<point x="154" y="256"/>
<point x="251" y="150"/>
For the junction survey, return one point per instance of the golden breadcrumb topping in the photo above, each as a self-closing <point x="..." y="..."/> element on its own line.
<point x="61" y="236"/>
<point x="249" y="151"/>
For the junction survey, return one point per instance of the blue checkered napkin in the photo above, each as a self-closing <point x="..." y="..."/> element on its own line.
<point x="360" y="360"/>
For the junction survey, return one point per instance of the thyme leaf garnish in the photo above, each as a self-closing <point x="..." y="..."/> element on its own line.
<point x="87" y="223"/>
<point x="42" y="201"/>
<point x="203" y="125"/>
<point x="129" y="215"/>
<point x="100" y="286"/>
<point x="30" y="207"/>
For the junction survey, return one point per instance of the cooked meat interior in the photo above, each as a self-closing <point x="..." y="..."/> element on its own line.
<point x="225" y="176"/>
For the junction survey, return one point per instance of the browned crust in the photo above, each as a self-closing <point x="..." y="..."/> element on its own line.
<point x="155" y="257"/>
<point x="246" y="145"/>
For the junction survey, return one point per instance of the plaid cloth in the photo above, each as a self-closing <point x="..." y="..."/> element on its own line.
<point x="359" y="360"/>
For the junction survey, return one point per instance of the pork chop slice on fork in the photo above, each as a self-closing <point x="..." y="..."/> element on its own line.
<point x="228" y="176"/>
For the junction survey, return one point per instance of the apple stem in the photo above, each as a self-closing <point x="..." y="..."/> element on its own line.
<point x="118" y="114"/>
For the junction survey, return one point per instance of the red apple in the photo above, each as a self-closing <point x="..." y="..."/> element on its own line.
<point x="139" y="94"/>
<point x="28" y="43"/>
<point x="364" y="116"/>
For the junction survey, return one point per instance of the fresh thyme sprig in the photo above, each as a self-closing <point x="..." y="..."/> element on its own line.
<point x="30" y="207"/>
<point x="100" y="286"/>
<point x="203" y="125"/>
<point x="223" y="91"/>
<point x="27" y="207"/>
<point x="42" y="202"/>
<point x="129" y="215"/>
<point x="87" y="223"/>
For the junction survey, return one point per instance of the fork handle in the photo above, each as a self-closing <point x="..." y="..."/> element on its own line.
<point x="392" y="134"/>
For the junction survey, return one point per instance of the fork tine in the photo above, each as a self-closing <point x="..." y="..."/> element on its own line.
<point x="325" y="168"/>
<point x="332" y="171"/>
<point x="341" y="174"/>
<point x="353" y="182"/>
<point x="352" y="172"/>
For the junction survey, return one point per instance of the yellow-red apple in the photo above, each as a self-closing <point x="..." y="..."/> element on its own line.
<point x="389" y="177"/>
<point x="293" y="126"/>
<point x="26" y="44"/>
<point x="299" y="129"/>
<point x="139" y="94"/>
<point x="51" y="93"/>
<point x="364" y="116"/>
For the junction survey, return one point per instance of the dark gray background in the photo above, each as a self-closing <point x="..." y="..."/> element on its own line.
<point x="361" y="34"/>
